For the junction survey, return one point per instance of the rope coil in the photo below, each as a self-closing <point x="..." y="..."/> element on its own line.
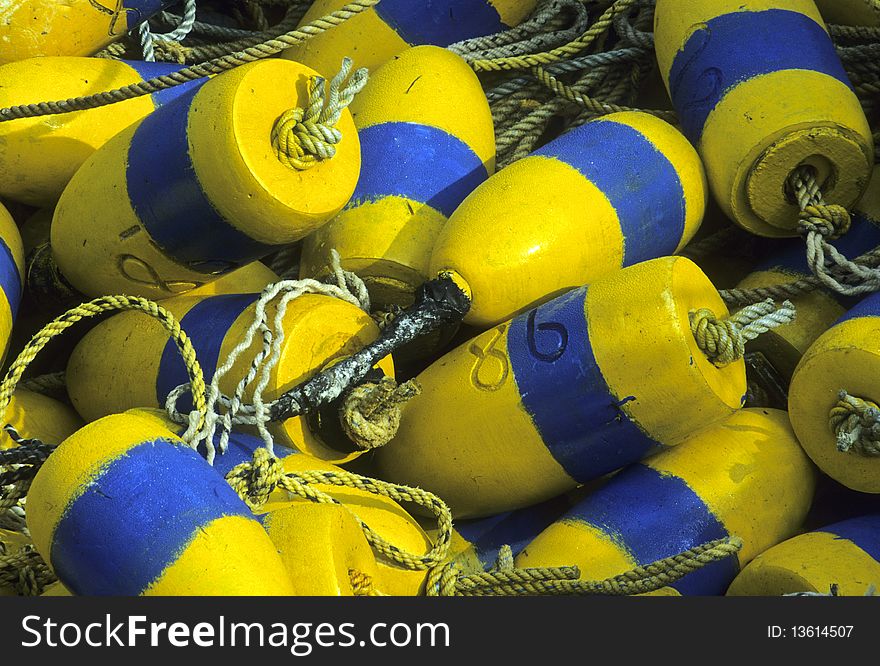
<point x="370" y="413"/>
<point x="724" y="340"/>
<point x="856" y="424"/>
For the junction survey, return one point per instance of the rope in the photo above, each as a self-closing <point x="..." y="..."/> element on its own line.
<point x="856" y="423"/>
<point x="254" y="481"/>
<point x="506" y="580"/>
<point x="53" y="385"/>
<point x="723" y="341"/>
<point x="370" y="414"/>
<point x="362" y="584"/>
<point x="25" y="571"/>
<point x="303" y="137"/>
<point x="215" y="66"/>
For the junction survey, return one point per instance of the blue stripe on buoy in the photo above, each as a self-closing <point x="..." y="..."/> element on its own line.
<point x="206" y="324"/>
<point x="867" y="307"/>
<point x="167" y="197"/>
<point x="564" y="392"/>
<point x="138" y="11"/>
<point x="149" y="70"/>
<point x="514" y="528"/>
<point x="739" y="46"/>
<point x="419" y="162"/>
<point x="108" y="544"/>
<point x="863" y="532"/>
<point x="439" y="22"/>
<point x="639" y="181"/>
<point x="655" y="515"/>
<point x="10" y="279"/>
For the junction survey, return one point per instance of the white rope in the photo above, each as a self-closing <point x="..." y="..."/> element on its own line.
<point x="177" y="35"/>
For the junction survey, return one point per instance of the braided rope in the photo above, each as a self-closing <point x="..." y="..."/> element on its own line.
<point x="254" y="481"/>
<point x="25" y="571"/>
<point x="362" y="584"/>
<point x="303" y="137"/>
<point x="215" y="66"/>
<point x="723" y="341"/>
<point x="856" y="423"/>
<point x="370" y="413"/>
<point x="506" y="580"/>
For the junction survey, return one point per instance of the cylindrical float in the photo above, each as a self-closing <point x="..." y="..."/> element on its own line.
<point x="580" y="386"/>
<point x="819" y="309"/>
<point x="129" y="361"/>
<point x="746" y="477"/>
<point x="11" y="276"/>
<point x="124" y="507"/>
<point x="38" y="156"/>
<point x="613" y="192"/>
<point x="71" y="28"/>
<point x="378" y="34"/>
<point x="846" y="357"/>
<point x="760" y="90"/>
<point x="36" y="416"/>
<point x="196" y="188"/>
<point x="845" y="554"/>
<point x="427" y="141"/>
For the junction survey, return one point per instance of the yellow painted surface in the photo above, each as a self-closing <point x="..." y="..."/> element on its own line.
<point x="36" y="416"/>
<point x="12" y="238"/>
<point x="250" y="278"/>
<point x="808" y="563"/>
<point x="38" y="156"/>
<point x="845" y="357"/>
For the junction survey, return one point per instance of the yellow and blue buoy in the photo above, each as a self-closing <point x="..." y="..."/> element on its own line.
<point x="819" y="309"/>
<point x="32" y="28"/>
<point x="611" y="193"/>
<point x="196" y="189"/>
<point x="36" y="416"/>
<point x="845" y="555"/>
<point x="746" y="477"/>
<point x="124" y="507"/>
<point x="427" y="141"/>
<point x="128" y="360"/>
<point x="760" y="91"/>
<point x="38" y="156"/>
<point x="846" y="357"/>
<point x="580" y="386"/>
<point x="376" y="35"/>
<point x="11" y="276"/>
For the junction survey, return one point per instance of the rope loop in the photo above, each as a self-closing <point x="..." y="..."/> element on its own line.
<point x="370" y="414"/>
<point x="856" y="424"/>
<point x="254" y="481"/>
<point x="303" y="137"/>
<point x="828" y="220"/>
<point x="723" y="341"/>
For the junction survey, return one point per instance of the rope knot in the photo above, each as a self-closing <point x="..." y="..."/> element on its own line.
<point x="303" y="137"/>
<point x="370" y="414"/>
<point x="723" y="341"/>
<point x="828" y="220"/>
<point x="856" y="423"/>
<point x="254" y="481"/>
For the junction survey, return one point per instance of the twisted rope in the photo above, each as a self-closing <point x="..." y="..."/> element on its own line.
<point x="25" y="571"/>
<point x="178" y="34"/>
<point x="370" y="413"/>
<point x="856" y="423"/>
<point x="724" y="340"/>
<point x="303" y="137"/>
<point x="254" y="481"/>
<point x="215" y="66"/>
<point x="506" y="580"/>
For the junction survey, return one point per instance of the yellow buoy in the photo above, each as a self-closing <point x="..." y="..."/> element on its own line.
<point x="587" y="383"/>
<point x="845" y="555"/>
<point x="128" y="360"/>
<point x="196" y="189"/>
<point x="11" y="276"/>
<point x="73" y="27"/>
<point x="38" y="156"/>
<point x="746" y="477"/>
<point x="36" y="416"/>
<point x="381" y="32"/>
<point x="760" y="90"/>
<point x="844" y="358"/>
<point x="613" y="192"/>
<point x="124" y="507"/>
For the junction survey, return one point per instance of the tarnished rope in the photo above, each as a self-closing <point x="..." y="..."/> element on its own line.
<point x="215" y="66"/>
<point x="506" y="580"/>
<point x="303" y="137"/>
<point x="724" y="340"/>
<point x="254" y="481"/>
<point x="856" y="424"/>
<point x="370" y="413"/>
<point x="25" y="571"/>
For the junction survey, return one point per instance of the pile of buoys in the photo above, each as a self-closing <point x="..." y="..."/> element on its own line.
<point x="472" y="369"/>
